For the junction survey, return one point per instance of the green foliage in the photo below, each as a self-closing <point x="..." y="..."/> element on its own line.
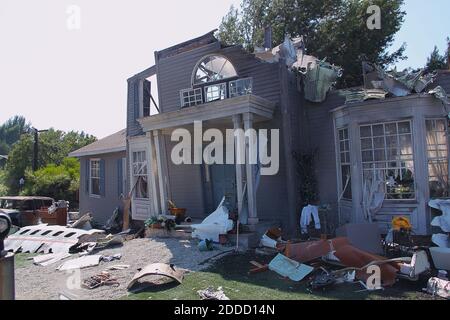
<point x="3" y="188"/>
<point x="10" y="132"/>
<point x="332" y="29"/>
<point x="436" y="61"/>
<point x="54" y="146"/>
<point x="60" y="182"/>
<point x="305" y="166"/>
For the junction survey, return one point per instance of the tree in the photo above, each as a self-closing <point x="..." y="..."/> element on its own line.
<point x="60" y="182"/>
<point x="436" y="61"/>
<point x="332" y="29"/>
<point x="54" y="146"/>
<point x="10" y="132"/>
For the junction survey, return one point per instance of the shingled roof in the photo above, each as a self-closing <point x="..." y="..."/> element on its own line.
<point x="113" y="143"/>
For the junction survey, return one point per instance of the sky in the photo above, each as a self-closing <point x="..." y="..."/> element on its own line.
<point x="75" y="79"/>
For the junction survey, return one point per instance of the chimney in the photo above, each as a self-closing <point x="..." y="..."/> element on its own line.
<point x="268" y="38"/>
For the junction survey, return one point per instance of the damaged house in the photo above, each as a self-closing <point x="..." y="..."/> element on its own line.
<point x="375" y="158"/>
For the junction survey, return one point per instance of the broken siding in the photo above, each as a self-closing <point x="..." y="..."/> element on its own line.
<point x="102" y="207"/>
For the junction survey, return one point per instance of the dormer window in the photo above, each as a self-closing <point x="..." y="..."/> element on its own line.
<point x="214" y="78"/>
<point x="213" y="68"/>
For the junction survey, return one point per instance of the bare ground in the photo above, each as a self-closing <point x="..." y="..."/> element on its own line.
<point x="46" y="283"/>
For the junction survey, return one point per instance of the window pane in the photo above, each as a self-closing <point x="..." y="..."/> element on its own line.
<point x="437" y="143"/>
<point x="383" y="159"/>
<point x="344" y="147"/>
<point x="95" y="186"/>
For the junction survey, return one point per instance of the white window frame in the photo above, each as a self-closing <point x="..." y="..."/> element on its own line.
<point x="346" y="152"/>
<point x="195" y="93"/>
<point x="234" y="91"/>
<point x="385" y="149"/>
<point x="223" y="86"/>
<point x="135" y="176"/>
<point x="91" y="194"/>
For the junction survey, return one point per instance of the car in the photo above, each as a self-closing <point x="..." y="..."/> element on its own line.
<point x="25" y="210"/>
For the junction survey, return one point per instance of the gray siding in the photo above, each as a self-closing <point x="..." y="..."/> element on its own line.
<point x="317" y="130"/>
<point x="101" y="208"/>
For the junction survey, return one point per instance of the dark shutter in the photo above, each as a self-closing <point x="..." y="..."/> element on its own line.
<point x="120" y="177"/>
<point x="146" y="98"/>
<point x="87" y="169"/>
<point x="102" y="178"/>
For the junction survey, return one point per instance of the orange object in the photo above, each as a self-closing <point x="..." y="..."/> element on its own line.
<point x="401" y="223"/>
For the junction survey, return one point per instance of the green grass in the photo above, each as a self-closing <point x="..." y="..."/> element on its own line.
<point x="22" y="260"/>
<point x="231" y="273"/>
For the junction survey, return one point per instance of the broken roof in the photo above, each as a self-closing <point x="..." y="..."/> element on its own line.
<point x="113" y="143"/>
<point x="188" y="45"/>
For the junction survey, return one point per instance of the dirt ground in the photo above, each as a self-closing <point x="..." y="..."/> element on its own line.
<point x="45" y="283"/>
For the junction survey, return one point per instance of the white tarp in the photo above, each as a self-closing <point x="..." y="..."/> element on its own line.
<point x="442" y="221"/>
<point x="215" y="224"/>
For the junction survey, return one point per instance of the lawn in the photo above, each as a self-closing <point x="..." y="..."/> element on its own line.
<point x="231" y="273"/>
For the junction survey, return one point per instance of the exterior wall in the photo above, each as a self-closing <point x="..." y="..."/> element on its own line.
<point x="101" y="207"/>
<point x="317" y="132"/>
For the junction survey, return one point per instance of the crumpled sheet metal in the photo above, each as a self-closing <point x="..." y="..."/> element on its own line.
<point x="405" y="82"/>
<point x="440" y="94"/>
<point x="347" y="255"/>
<point x="352" y="96"/>
<point x="43" y="238"/>
<point x="319" y="80"/>
<point x="158" y="269"/>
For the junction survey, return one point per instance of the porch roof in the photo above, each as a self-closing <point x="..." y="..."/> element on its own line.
<point x="261" y="108"/>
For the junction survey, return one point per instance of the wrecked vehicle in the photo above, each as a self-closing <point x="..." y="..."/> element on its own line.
<point x="25" y="211"/>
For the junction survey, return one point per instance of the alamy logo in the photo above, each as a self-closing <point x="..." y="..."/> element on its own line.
<point x="374" y="21"/>
<point x="237" y="147"/>
<point x="73" y="21"/>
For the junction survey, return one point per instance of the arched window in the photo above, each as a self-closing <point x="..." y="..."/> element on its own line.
<point x="213" y="68"/>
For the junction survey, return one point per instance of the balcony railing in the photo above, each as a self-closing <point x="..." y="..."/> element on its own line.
<point x="214" y="92"/>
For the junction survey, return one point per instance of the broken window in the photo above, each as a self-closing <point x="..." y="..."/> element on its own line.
<point x="94" y="178"/>
<point x="213" y="68"/>
<point x="215" y="92"/>
<point x="387" y="151"/>
<point x="140" y="175"/>
<point x="241" y="87"/>
<point x="437" y="152"/>
<point x="344" y="161"/>
<point x="191" y="97"/>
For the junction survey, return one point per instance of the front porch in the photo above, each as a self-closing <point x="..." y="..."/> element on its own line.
<point x="237" y="180"/>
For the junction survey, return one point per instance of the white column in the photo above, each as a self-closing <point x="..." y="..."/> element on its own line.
<point x="162" y="172"/>
<point x="237" y="124"/>
<point x="151" y="169"/>
<point x="250" y="174"/>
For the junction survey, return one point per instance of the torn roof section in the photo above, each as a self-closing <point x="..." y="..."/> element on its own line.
<point x="113" y="143"/>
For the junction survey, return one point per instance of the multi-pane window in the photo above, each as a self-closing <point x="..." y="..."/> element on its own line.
<point x="241" y="87"/>
<point x="344" y="161"/>
<point x="213" y="68"/>
<point x="387" y="154"/>
<point x="94" y="177"/>
<point x="437" y="152"/>
<point x="191" y="97"/>
<point x="215" y="92"/>
<point x="140" y="175"/>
